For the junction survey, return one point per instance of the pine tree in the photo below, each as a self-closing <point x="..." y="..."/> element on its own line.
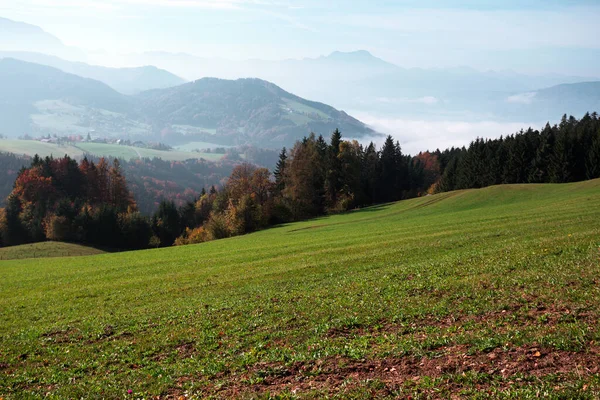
<point x="279" y="171"/>
<point x="333" y="177"/>
<point x="387" y="185"/>
<point x="593" y="159"/>
<point x="166" y="223"/>
<point x="369" y="174"/>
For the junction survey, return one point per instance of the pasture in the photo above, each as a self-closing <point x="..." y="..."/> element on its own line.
<point x="489" y="293"/>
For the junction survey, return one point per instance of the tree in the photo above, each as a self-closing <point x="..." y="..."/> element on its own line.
<point x="333" y="176"/>
<point x="279" y="171"/>
<point x="136" y="230"/>
<point x="166" y="223"/>
<point x="119" y="195"/>
<point x="593" y="159"/>
<point x="370" y="174"/>
<point x="304" y="180"/>
<point x="388" y="171"/>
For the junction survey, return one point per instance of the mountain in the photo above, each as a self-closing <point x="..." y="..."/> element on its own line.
<point x="571" y="99"/>
<point x="19" y="36"/>
<point x="124" y="80"/>
<point x="361" y="81"/>
<point x="35" y="96"/>
<point x="241" y="111"/>
<point x="38" y="99"/>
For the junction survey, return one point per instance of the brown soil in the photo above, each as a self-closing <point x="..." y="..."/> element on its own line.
<point x="334" y="374"/>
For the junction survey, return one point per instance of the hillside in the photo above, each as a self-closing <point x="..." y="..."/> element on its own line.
<point x="245" y="110"/>
<point x="37" y="99"/>
<point x="123" y="80"/>
<point x="360" y="81"/>
<point x="488" y="292"/>
<point x="46" y="250"/>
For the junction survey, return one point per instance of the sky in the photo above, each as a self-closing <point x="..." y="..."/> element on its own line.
<point x="532" y="36"/>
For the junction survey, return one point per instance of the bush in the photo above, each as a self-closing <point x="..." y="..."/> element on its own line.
<point x="192" y="236"/>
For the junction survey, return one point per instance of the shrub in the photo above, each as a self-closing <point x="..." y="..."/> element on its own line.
<point x="192" y="236"/>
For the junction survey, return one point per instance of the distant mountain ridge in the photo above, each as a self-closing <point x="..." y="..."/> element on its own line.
<point x="123" y="80"/>
<point x="358" y="80"/>
<point x="20" y="36"/>
<point x="37" y="99"/>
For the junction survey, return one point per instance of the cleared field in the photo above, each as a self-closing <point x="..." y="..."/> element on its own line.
<point x="489" y="293"/>
<point x="199" y="146"/>
<point x="33" y="147"/>
<point x="46" y="250"/>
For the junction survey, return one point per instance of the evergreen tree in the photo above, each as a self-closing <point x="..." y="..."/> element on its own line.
<point x="166" y="223"/>
<point x="369" y="174"/>
<point x="387" y="185"/>
<point x="333" y="178"/>
<point x="593" y="159"/>
<point x="279" y="172"/>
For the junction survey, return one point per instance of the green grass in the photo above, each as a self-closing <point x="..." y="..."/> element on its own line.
<point x="304" y="109"/>
<point x="32" y="147"/>
<point x="300" y="310"/>
<point x="46" y="250"/>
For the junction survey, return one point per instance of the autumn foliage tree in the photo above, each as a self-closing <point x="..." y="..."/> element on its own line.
<point x="62" y="200"/>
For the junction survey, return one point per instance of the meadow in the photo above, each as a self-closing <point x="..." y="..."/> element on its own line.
<point x="78" y="150"/>
<point x="488" y="293"/>
<point x="46" y="250"/>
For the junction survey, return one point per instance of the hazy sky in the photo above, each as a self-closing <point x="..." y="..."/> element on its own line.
<point x="529" y="36"/>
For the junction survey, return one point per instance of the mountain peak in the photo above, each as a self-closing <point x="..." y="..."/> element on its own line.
<point x="356" y="57"/>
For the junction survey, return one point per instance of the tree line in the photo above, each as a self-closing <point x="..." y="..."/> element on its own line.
<point x="62" y="200"/>
<point x="567" y="152"/>
<point x="89" y="202"/>
<point x="315" y="177"/>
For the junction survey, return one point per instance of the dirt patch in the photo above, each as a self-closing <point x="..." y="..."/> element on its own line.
<point x="518" y="315"/>
<point x="186" y="350"/>
<point x="68" y="335"/>
<point x="334" y="374"/>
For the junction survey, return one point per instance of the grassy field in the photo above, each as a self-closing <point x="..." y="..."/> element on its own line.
<point x="129" y="152"/>
<point x="46" y="250"/>
<point x="200" y="146"/>
<point x="489" y="293"/>
<point x="32" y="147"/>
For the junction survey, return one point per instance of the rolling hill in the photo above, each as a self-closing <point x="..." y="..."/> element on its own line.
<point x="46" y="250"/>
<point x="490" y="292"/>
<point x="245" y="110"/>
<point x="43" y="100"/>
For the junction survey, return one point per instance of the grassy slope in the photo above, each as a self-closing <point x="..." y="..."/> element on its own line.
<point x="46" y="250"/>
<point x="498" y="286"/>
<point x="32" y="147"/>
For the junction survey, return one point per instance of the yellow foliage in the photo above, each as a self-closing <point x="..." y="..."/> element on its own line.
<point x="192" y="236"/>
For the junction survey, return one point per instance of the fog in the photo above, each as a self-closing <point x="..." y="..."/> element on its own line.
<point x="421" y="135"/>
